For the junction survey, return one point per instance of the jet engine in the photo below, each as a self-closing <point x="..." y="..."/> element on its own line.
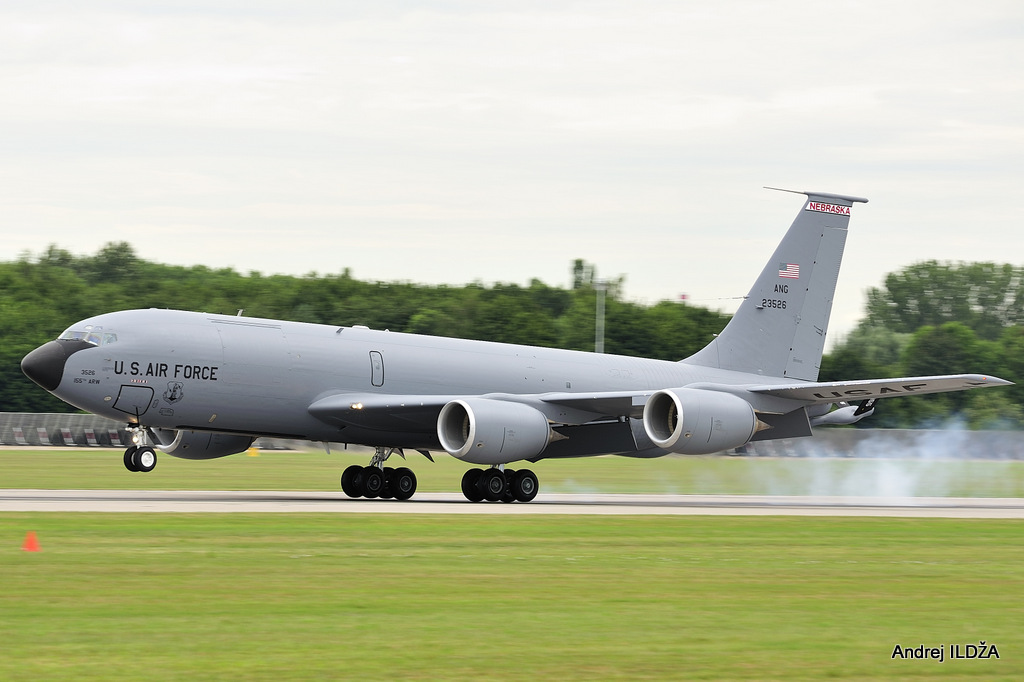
<point x="691" y="421"/>
<point x="484" y="431"/>
<point x="199" y="444"/>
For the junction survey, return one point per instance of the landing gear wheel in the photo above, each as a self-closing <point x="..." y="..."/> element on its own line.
<point x="403" y="483"/>
<point x="377" y="480"/>
<point x="471" y="485"/>
<point x="387" y="492"/>
<point x="510" y="477"/>
<point x="144" y="459"/>
<point x="348" y="480"/>
<point x="525" y="485"/>
<point x="492" y="482"/>
<point x="128" y="458"/>
<point x="371" y="482"/>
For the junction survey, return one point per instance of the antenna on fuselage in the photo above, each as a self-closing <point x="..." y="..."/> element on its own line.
<point x="240" y="311"/>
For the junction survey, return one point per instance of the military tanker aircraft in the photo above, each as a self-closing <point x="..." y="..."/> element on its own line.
<point x="199" y="386"/>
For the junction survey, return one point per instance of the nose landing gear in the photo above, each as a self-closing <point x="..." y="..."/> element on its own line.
<point x="139" y="457"/>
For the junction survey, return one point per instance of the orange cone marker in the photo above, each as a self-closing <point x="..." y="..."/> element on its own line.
<point x="31" y="543"/>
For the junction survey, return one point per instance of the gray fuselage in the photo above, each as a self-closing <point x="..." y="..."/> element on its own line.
<point x="196" y="371"/>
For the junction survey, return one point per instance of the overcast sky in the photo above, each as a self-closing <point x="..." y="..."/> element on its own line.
<point x="456" y="141"/>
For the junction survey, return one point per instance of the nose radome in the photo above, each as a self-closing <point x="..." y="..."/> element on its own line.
<point x="45" y="365"/>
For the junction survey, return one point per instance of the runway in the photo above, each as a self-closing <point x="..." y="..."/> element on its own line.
<point x="292" y="502"/>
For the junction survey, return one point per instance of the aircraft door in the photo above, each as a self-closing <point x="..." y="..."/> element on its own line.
<point x="134" y="400"/>
<point x="376" y="368"/>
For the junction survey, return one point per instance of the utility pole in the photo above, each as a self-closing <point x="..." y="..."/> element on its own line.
<point x="601" y="286"/>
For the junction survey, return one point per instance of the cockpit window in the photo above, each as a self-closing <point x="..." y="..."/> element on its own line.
<point x="90" y="334"/>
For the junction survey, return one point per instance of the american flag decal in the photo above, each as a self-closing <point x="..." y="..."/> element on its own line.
<point x="789" y="270"/>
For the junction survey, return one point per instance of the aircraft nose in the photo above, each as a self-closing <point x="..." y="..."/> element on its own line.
<point x="45" y="365"/>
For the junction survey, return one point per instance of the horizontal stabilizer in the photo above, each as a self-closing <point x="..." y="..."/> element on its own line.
<point x="835" y="391"/>
<point x="846" y="414"/>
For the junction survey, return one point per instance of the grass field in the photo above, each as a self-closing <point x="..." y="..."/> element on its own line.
<point x="304" y="597"/>
<point x="425" y="597"/>
<point x="316" y="470"/>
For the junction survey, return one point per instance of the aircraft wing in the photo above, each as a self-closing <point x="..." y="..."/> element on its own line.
<point x="381" y="411"/>
<point x="420" y="412"/>
<point x="820" y="393"/>
<point x="580" y="408"/>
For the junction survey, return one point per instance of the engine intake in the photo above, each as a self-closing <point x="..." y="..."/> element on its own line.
<point x="691" y="421"/>
<point x="199" y="444"/>
<point x="484" y="431"/>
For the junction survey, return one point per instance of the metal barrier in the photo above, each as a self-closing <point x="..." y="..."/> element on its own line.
<point x="949" y="443"/>
<point x="22" y="429"/>
<point x="28" y="429"/>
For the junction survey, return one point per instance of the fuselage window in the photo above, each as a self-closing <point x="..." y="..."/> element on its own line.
<point x="94" y="336"/>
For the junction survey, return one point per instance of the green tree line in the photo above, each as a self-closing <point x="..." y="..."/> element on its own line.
<point x="41" y="295"/>
<point x="929" y="318"/>
<point x="941" y="318"/>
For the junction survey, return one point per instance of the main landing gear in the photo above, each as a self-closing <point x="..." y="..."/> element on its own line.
<point x="139" y="457"/>
<point x="377" y="480"/>
<point x="498" y="483"/>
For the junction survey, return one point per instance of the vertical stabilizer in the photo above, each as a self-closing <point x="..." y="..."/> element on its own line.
<point x="779" y="329"/>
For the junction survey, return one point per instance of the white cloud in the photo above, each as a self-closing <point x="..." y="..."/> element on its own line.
<point x="458" y="141"/>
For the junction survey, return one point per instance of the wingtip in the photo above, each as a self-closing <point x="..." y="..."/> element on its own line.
<point x="989" y="380"/>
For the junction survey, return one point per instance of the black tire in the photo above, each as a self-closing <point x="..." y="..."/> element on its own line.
<point x="349" y="480"/>
<point x="128" y="459"/>
<point x="388" y="491"/>
<point x="403" y="483"/>
<point x="144" y="459"/>
<point x="471" y="485"/>
<point x="492" y="483"/>
<point x="525" y="485"/>
<point x="510" y="477"/>
<point x="371" y="482"/>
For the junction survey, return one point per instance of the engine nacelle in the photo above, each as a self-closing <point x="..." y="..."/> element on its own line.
<point x="691" y="421"/>
<point x="199" y="444"/>
<point x="484" y="431"/>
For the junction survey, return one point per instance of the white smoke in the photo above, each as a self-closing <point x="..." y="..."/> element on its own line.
<point x="951" y="461"/>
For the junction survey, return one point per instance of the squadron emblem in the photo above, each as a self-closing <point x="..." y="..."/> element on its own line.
<point x="175" y="392"/>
